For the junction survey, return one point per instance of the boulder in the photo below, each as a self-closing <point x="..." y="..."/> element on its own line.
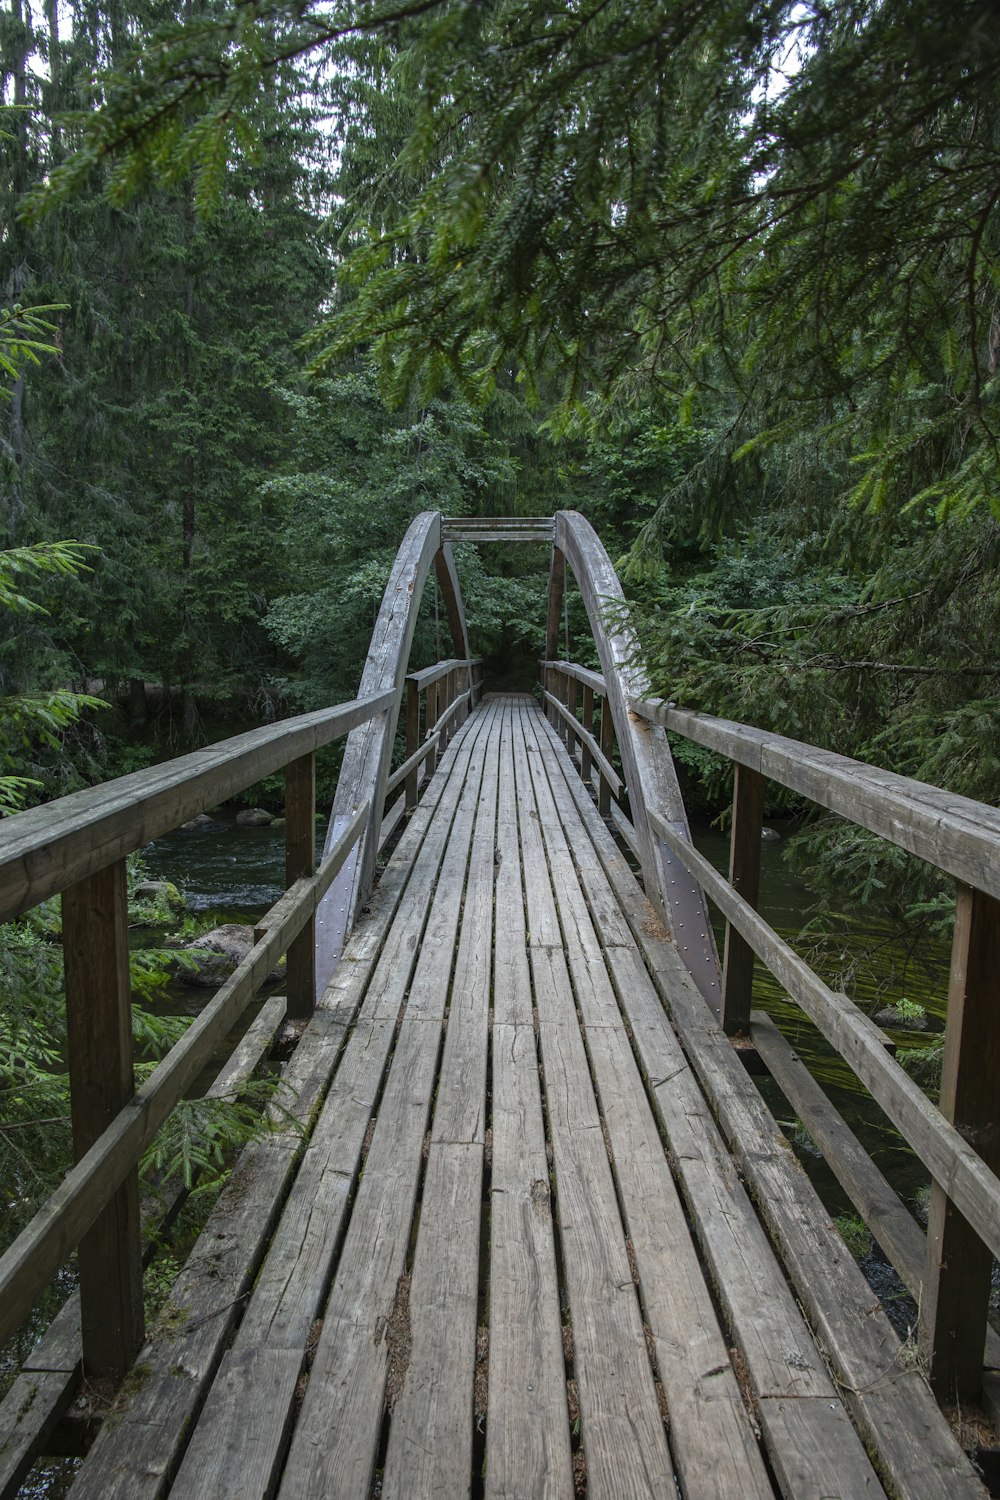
<point x="769" y="836"/>
<point x="162" y="891"/>
<point x="217" y="953"/>
<point x="201" y="821"/>
<point x="253" y="817"/>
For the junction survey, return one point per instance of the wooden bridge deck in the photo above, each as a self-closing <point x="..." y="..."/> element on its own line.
<point x="516" y="1256"/>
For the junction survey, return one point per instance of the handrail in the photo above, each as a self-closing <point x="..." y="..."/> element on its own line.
<point x="959" y="1143"/>
<point x="39" y="1250"/>
<point x="956" y="834"/>
<point x="428" y="675"/>
<point x="77" y="846"/>
<point x="583" y="675"/>
<point x="47" y="848"/>
<point x="647" y="766"/>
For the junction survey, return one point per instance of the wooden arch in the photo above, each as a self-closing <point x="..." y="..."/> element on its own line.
<point x="368" y="752"/>
<point x="648" y="766"/>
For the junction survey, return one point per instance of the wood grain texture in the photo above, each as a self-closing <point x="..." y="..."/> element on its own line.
<point x="45" y="849"/>
<point x="958" y="1266"/>
<point x="99" y="1050"/>
<point x="744" y="877"/>
<point x="292" y="1285"/>
<point x="334" y="1444"/>
<point x="139" y="1455"/>
<point x="958" y="835"/>
<point x="973" y="1187"/>
<point x="622" y="1433"/>
<point x="890" y="1404"/>
<point x="430" y="1435"/>
<point x="647" y="764"/>
<point x="711" y="1435"/>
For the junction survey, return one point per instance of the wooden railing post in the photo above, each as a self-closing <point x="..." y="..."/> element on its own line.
<point x="744" y="877"/>
<point x="99" y="1025"/>
<point x="571" y="700"/>
<point x="300" y="862"/>
<point x="607" y="748"/>
<point x="586" y="760"/>
<point x="412" y="783"/>
<point x="430" y="719"/>
<point x="958" y="1266"/>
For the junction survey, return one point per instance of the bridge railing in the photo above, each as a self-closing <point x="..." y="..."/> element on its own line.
<point x="77" y="847"/>
<point x="948" y="1272"/>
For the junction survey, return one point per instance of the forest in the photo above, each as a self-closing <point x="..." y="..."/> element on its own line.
<point x="277" y="275"/>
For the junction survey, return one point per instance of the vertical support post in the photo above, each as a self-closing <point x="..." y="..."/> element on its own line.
<point x="571" y="698"/>
<point x="430" y="719"/>
<point x="586" y="760"/>
<point x="607" y="747"/>
<point x="958" y="1266"/>
<point x="744" y="876"/>
<point x="300" y="861"/>
<point x="412" y="782"/>
<point x="99" y="1024"/>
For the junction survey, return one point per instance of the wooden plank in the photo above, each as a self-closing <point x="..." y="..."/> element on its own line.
<point x="958" y="1266"/>
<point x="592" y="680"/>
<point x="45" y="849"/>
<point x="49" y="1378"/>
<point x="744" y="877"/>
<point x="889" y="1402"/>
<point x="334" y="1444"/>
<point x="427" y="675"/>
<point x="412" y="743"/>
<point x="292" y="1285"/>
<point x="39" y="1396"/>
<point x="35" y="1256"/>
<point x="953" y="833"/>
<point x="711" y="1436"/>
<point x="300" y="863"/>
<point x="391" y="821"/>
<point x="622" y="1433"/>
<point x="605" y="790"/>
<point x="779" y="1357"/>
<point x="141" y="1452"/>
<point x="430" y="1437"/>
<point x="527" y="1434"/>
<point x="892" y="1224"/>
<point x="99" y="1049"/>
<point x="973" y="1187"/>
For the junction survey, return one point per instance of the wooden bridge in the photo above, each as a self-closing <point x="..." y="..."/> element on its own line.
<point x="523" y="1225"/>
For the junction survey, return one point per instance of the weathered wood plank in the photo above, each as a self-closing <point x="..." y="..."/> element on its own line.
<point x="958" y="1266"/>
<point x="710" y="1432"/>
<point x="99" y="1047"/>
<point x="623" y="1436"/>
<point x="972" y="1186"/>
<point x="430" y="1436"/>
<point x="289" y="1294"/>
<point x="890" y="1403"/>
<point x="953" y="833"/>
<point x="744" y="877"/>
<point x="45" y="849"/>
<point x="527" y="1434"/>
<point x="138" y="1456"/>
<point x="300" y="863"/>
<point x="334" y="1444"/>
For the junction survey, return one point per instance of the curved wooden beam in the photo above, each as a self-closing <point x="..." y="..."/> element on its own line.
<point x="364" y="773"/>
<point x="650" y="776"/>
